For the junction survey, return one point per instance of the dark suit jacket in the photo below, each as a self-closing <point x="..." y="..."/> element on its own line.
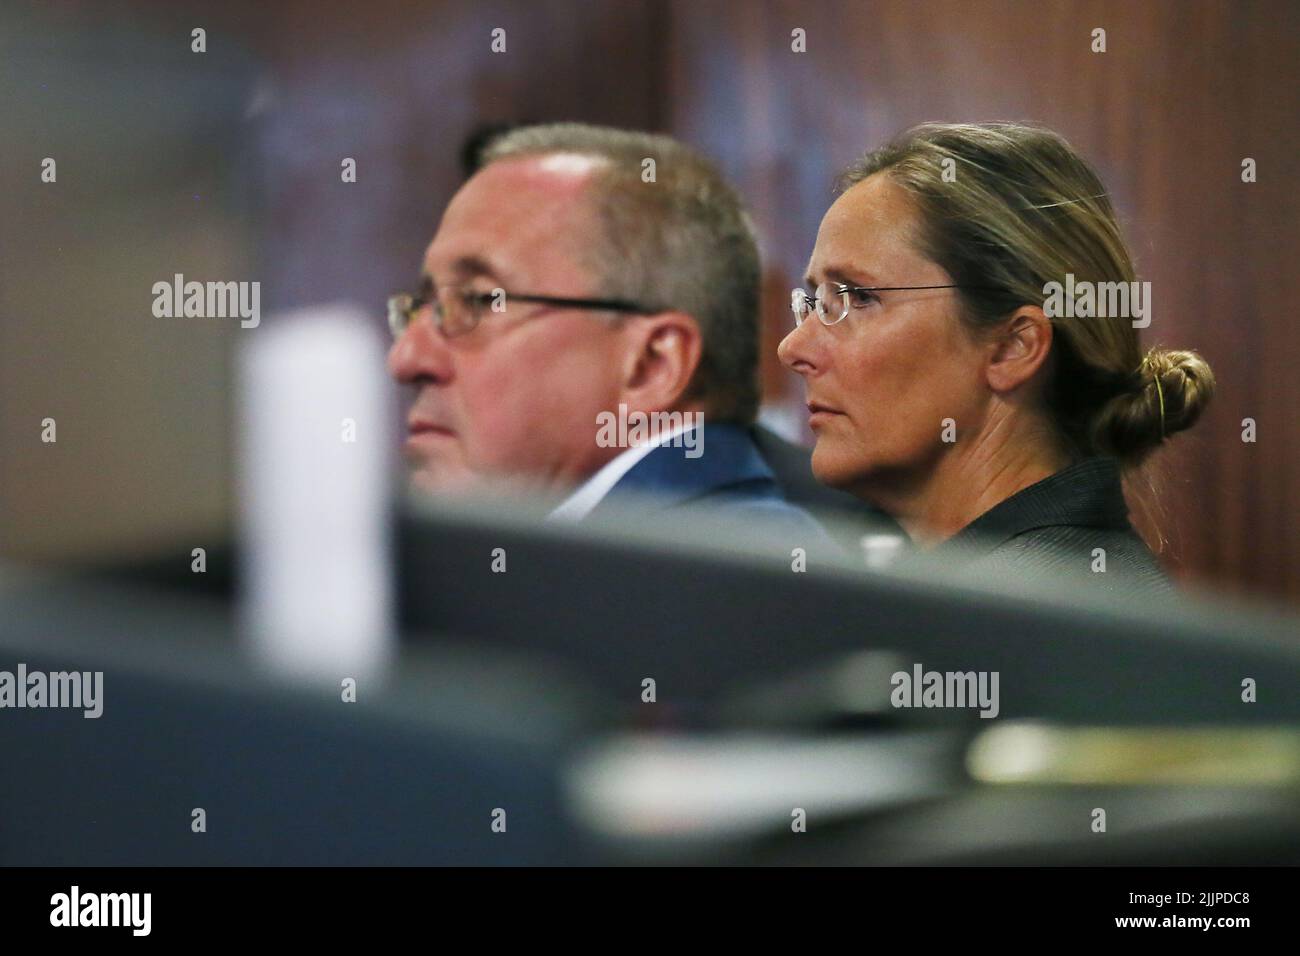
<point x="1055" y="527"/>
<point x="730" y="477"/>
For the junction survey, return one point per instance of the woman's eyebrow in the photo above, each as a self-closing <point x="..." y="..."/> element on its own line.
<point x="856" y="277"/>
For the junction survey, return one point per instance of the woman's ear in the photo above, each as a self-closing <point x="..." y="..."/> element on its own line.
<point x="1019" y="349"/>
<point x="664" y="355"/>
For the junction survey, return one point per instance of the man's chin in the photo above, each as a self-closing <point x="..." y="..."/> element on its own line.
<point x="462" y="484"/>
<point x="445" y="482"/>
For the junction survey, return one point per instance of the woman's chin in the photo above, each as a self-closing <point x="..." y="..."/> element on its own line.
<point x="835" y="469"/>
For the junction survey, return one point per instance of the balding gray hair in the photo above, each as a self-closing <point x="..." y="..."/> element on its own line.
<point x="682" y="242"/>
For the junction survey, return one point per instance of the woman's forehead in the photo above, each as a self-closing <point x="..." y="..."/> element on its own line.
<point x="871" y="226"/>
<point x="877" y="205"/>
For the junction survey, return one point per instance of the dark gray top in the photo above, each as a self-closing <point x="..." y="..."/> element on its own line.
<point x="1055" y="527"/>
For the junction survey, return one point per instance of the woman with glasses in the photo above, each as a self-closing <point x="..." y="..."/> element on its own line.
<point x="972" y="362"/>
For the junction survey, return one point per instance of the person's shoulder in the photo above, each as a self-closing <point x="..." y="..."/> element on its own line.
<point x="1114" y="560"/>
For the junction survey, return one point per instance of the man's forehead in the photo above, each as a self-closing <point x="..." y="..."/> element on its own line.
<point x="562" y="175"/>
<point x="563" y="166"/>
<point x="517" y="205"/>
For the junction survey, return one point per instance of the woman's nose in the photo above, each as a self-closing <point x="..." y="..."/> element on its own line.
<point x="796" y="349"/>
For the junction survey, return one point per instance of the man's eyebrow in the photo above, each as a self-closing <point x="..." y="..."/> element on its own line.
<point x="462" y="269"/>
<point x="474" y="265"/>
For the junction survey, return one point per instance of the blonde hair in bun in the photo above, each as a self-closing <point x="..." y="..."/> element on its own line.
<point x="1171" y="389"/>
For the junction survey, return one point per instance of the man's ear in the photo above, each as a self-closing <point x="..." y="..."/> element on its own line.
<point x="1019" y="349"/>
<point x="664" y="352"/>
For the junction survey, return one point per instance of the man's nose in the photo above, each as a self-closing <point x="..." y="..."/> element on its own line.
<point x="419" y="354"/>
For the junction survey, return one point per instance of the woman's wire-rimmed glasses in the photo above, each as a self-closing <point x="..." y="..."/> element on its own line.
<point x="833" y="300"/>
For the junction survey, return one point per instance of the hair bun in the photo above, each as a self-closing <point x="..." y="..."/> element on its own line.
<point x="1171" y="389"/>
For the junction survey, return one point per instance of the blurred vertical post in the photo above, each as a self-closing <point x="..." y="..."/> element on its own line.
<point x="314" y="496"/>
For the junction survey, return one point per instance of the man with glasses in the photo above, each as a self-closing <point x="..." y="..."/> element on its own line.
<point x="583" y="272"/>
